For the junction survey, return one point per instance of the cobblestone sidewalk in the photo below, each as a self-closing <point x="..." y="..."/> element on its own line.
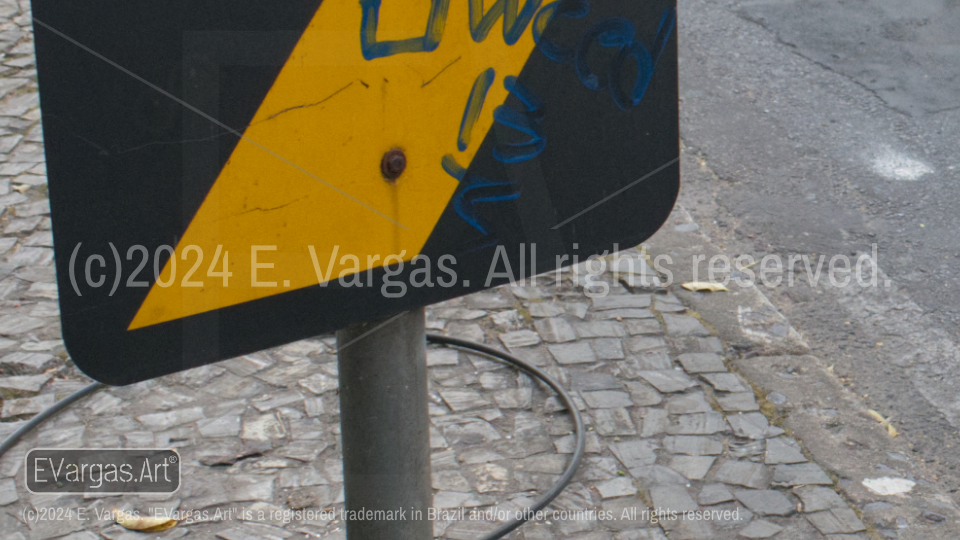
<point x="670" y="427"/>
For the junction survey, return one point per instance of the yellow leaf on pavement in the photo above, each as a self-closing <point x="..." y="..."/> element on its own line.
<point x="885" y="422"/>
<point x="136" y="522"/>
<point x="700" y="286"/>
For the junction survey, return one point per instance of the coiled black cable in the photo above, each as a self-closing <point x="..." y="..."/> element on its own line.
<point x="472" y="346"/>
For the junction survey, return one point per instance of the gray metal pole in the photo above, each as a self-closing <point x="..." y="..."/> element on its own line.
<point x="384" y="428"/>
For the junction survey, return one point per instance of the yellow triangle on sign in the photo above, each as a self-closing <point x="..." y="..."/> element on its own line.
<point x="307" y="172"/>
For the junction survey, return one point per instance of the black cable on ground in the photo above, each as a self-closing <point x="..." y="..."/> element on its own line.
<point x="47" y="413"/>
<point x="557" y="488"/>
<point x="472" y="346"/>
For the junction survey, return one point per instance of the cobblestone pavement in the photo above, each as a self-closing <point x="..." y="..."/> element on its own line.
<point x="670" y="427"/>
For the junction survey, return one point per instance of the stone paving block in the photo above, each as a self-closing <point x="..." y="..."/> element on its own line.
<point x="800" y="475"/>
<point x="492" y="380"/>
<point x="608" y="348"/>
<point x="699" y="424"/>
<point x="682" y="325"/>
<point x="625" y="313"/>
<point x="573" y="353"/>
<point x="664" y="305"/>
<point x="692" y="467"/>
<point x="668" y="380"/>
<point x="693" y="445"/>
<point x="224" y="426"/>
<point x="33" y="209"/>
<point x="278" y="399"/>
<point x="552" y="463"/>
<point x="621" y="301"/>
<point x="514" y="398"/>
<point x="635" y="454"/>
<point x="599" y="329"/>
<point x="654" y="360"/>
<point x="655" y="422"/>
<point x="641" y="534"/>
<point x="658" y="475"/>
<point x="489" y="300"/>
<point x="836" y="521"/>
<point x="30" y="405"/>
<point x="13" y="325"/>
<point x="461" y="314"/>
<point x="643" y="394"/>
<point x="592" y="380"/>
<point x="766" y="502"/>
<point x="471" y="331"/>
<point x="673" y="499"/>
<point x="442" y="357"/>
<point x="463" y="400"/>
<point x="815" y="499"/>
<point x="613" y="422"/>
<point x="262" y="428"/>
<point x="743" y="473"/>
<point x="537" y="356"/>
<point x="27" y="256"/>
<point x="642" y="326"/>
<point x="726" y="382"/>
<point x="738" y="402"/>
<point x="618" y="487"/>
<point x="760" y="528"/>
<point x="474" y="431"/>
<point x="305" y="451"/>
<point x="8" y="492"/>
<point x="639" y="344"/>
<point x="702" y="363"/>
<point x="714" y="494"/>
<point x="783" y="450"/>
<point x="606" y="399"/>
<point x="555" y="330"/>
<point x="10" y="198"/>
<point x="490" y="477"/>
<point x="545" y="309"/>
<point x="24" y="383"/>
<point x="454" y="499"/>
<point x="577" y="309"/>
<point x="689" y="529"/>
<point x="519" y="338"/>
<point x="43" y="290"/>
<point x="694" y="402"/>
<point x="753" y="425"/>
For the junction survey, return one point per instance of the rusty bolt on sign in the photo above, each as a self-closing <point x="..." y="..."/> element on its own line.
<point x="393" y="164"/>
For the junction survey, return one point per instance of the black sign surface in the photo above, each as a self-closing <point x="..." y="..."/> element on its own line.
<point x="228" y="177"/>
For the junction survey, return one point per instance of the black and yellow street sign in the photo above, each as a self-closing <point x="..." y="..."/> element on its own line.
<point x="227" y="177"/>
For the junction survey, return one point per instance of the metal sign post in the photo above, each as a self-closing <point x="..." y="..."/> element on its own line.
<point x="384" y="428"/>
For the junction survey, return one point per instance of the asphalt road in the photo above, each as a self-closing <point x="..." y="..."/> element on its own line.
<point x="822" y="128"/>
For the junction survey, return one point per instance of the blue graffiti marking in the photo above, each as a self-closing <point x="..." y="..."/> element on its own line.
<point x="667" y="21"/>
<point x="514" y="24"/>
<point x="644" y="73"/>
<point x="371" y="48"/>
<point x="527" y="122"/>
<point x="451" y="167"/>
<point x="571" y="9"/>
<point x="614" y="33"/>
<point x="480" y="190"/>
<point x="646" y="63"/>
<point x="478" y="94"/>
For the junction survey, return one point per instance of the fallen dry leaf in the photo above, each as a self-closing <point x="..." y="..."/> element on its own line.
<point x="885" y="422"/>
<point x="700" y="286"/>
<point x="143" y="523"/>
